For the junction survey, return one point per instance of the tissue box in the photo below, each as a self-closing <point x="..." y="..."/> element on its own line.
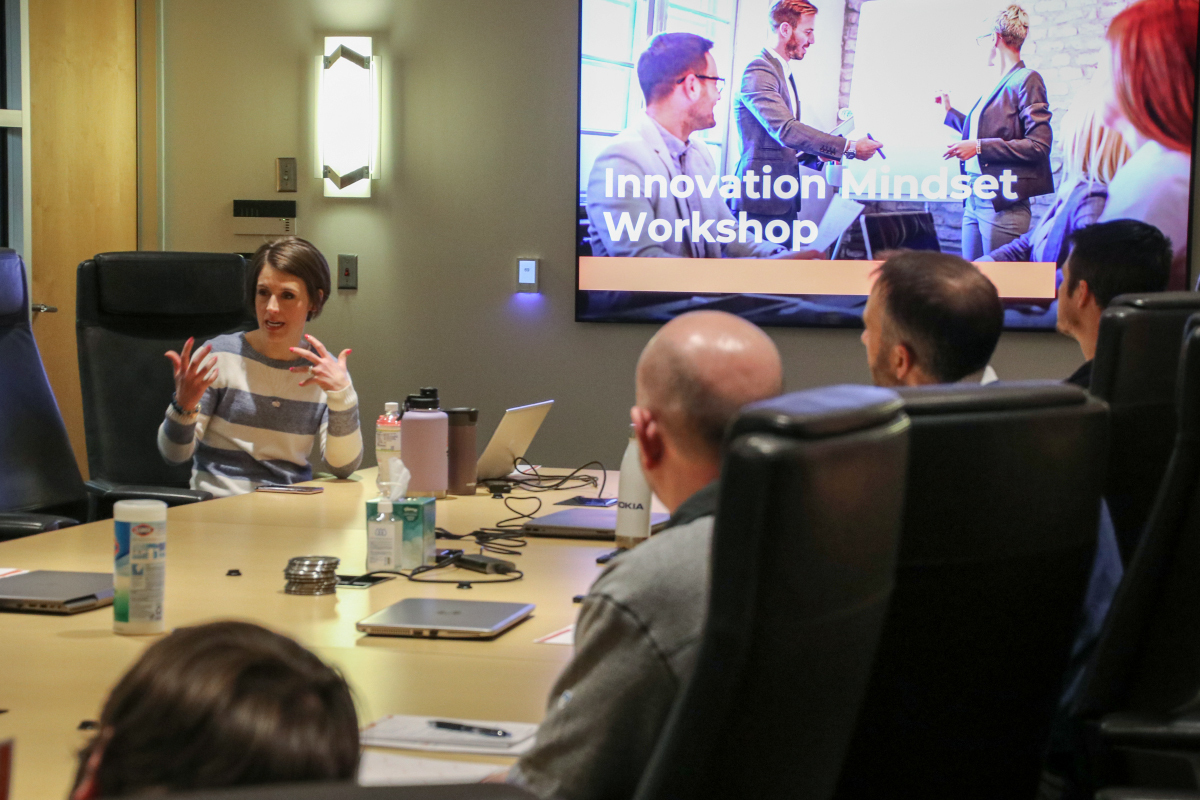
<point x="412" y="542"/>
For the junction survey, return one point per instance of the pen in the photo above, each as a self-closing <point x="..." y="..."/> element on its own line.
<point x="880" y="150"/>
<point x="445" y="725"/>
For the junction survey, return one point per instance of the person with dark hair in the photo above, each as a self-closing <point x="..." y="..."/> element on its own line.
<point x="1006" y="131"/>
<point x="654" y="190"/>
<point x="1105" y="260"/>
<point x="931" y="318"/>
<point x="220" y="705"/>
<point x="1148" y="72"/>
<point x="639" y="626"/>
<point x="774" y="140"/>
<point x="239" y="413"/>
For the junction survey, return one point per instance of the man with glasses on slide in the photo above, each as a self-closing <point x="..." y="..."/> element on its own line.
<point x="638" y="201"/>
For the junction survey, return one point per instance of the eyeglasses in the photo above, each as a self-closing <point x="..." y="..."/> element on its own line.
<point x="985" y="40"/>
<point x="720" y="81"/>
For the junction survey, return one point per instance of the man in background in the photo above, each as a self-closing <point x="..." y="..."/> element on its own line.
<point x="1107" y="259"/>
<point x="774" y="141"/>
<point x="641" y="622"/>
<point x="679" y="80"/>
<point x="931" y="318"/>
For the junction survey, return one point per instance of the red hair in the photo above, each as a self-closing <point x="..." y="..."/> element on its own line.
<point x="1154" y="68"/>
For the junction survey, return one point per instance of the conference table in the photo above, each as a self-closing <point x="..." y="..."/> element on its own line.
<point x="57" y="670"/>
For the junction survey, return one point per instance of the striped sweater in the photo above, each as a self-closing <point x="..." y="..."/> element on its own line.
<point x="256" y="424"/>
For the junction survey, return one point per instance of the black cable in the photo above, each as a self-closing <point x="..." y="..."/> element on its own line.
<point x="548" y="483"/>
<point x="412" y="574"/>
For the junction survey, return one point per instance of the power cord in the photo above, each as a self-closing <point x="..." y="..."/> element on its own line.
<point x="542" y="482"/>
<point x="510" y="571"/>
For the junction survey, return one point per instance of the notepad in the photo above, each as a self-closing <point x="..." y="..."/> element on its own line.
<point x="385" y="769"/>
<point x="414" y="733"/>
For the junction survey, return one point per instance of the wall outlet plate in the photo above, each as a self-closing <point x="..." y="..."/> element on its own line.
<point x="527" y="274"/>
<point x="285" y="174"/>
<point x="347" y="267"/>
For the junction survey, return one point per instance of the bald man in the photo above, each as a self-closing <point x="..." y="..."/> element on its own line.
<point x="640" y="624"/>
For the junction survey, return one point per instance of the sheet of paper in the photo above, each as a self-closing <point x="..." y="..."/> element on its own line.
<point x="415" y="733"/>
<point x="386" y="769"/>
<point x="564" y="636"/>
<point x="8" y="572"/>
<point x="839" y="216"/>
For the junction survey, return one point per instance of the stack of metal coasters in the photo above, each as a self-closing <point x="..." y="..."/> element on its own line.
<point x="311" y="575"/>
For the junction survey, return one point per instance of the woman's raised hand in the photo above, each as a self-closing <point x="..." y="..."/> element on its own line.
<point x="194" y="373"/>
<point x="326" y="371"/>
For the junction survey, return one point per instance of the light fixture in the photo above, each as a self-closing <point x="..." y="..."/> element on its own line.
<point x="348" y="116"/>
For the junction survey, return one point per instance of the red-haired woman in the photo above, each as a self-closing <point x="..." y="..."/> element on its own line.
<point x="1149" y="70"/>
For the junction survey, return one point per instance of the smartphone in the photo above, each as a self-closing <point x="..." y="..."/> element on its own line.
<point x="291" y="489"/>
<point x="580" y="500"/>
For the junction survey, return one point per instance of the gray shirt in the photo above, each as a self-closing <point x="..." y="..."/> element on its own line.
<point x="635" y="645"/>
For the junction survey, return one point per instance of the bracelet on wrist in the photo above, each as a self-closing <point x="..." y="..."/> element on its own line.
<point x="180" y="409"/>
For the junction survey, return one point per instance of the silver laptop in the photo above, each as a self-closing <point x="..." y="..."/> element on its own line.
<point x="445" y="619"/>
<point x="51" y="592"/>
<point x="585" y="523"/>
<point x="511" y="439"/>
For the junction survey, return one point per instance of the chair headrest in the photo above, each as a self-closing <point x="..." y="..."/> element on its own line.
<point x="820" y="413"/>
<point x="1188" y="391"/>
<point x="199" y="283"/>
<point x="13" y="303"/>
<point x="966" y="398"/>
<point x="1157" y="301"/>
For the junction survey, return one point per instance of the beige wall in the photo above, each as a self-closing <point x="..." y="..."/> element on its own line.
<point x="478" y="168"/>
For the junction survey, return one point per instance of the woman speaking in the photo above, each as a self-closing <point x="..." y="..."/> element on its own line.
<point x="247" y="406"/>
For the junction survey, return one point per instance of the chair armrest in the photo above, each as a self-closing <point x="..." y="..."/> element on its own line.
<point x="1146" y="794"/>
<point x="1156" y="733"/>
<point x="172" y="496"/>
<point x="14" y="525"/>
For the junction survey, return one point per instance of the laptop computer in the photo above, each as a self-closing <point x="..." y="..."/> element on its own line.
<point x="52" y="592"/>
<point x="585" y="523"/>
<point x="445" y="619"/>
<point x="511" y="439"/>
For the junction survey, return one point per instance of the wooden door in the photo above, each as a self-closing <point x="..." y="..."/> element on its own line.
<point x="84" y="161"/>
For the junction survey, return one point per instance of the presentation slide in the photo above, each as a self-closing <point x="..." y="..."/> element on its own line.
<point x="740" y="169"/>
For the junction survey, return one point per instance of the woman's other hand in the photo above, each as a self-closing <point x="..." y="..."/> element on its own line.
<point x="194" y="373"/>
<point x="326" y="371"/>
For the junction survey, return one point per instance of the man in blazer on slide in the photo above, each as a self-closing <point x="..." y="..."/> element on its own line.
<point x="774" y="141"/>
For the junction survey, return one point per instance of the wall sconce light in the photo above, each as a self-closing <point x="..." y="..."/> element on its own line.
<point x="348" y="116"/>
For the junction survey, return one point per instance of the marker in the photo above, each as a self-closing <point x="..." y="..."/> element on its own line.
<point x="445" y="725"/>
<point x="880" y="150"/>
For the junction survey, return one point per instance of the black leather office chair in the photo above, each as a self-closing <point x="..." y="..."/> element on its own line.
<point x="999" y="536"/>
<point x="803" y="553"/>
<point x="37" y="467"/>
<point x="349" y="791"/>
<point x="1139" y="705"/>
<point x="1137" y="357"/>
<point x="132" y="308"/>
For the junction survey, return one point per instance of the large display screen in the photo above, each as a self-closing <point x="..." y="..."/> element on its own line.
<point x="976" y="129"/>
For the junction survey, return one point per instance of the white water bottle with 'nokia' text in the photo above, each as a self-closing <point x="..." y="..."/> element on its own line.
<point x="633" y="498"/>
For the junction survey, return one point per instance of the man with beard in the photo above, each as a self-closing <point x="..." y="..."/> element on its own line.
<point x="774" y="141"/>
<point x="653" y="191"/>
<point x="931" y="318"/>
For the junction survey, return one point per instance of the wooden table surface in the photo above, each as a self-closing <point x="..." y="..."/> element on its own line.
<point x="56" y="671"/>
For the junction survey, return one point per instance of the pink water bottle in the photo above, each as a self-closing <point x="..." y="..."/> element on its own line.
<point x="424" y="442"/>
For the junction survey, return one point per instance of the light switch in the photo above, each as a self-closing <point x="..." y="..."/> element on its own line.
<point x="285" y="174"/>
<point x="347" y="271"/>
<point x="527" y="275"/>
